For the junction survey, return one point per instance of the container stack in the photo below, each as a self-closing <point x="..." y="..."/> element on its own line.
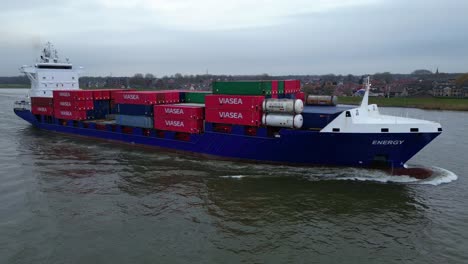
<point x="186" y="118"/>
<point x="81" y="104"/>
<point x="136" y="108"/>
<point x="234" y="109"/>
<point x="256" y="103"/>
<point x="73" y="104"/>
<point x="251" y="104"/>
<point x="239" y="103"/>
<point x="42" y="106"/>
<point x="101" y="103"/>
<point x="269" y="89"/>
<point x="113" y="95"/>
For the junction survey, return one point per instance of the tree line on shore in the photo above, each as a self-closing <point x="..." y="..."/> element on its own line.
<point x="323" y="83"/>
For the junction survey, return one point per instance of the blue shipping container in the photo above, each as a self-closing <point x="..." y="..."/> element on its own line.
<point x="113" y="108"/>
<point x="101" y="109"/>
<point x="90" y="114"/>
<point x="135" y="110"/>
<point x="182" y="97"/>
<point x="289" y="96"/>
<point x="134" y="121"/>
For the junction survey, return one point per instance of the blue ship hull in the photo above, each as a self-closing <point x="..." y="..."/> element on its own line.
<point x="295" y="147"/>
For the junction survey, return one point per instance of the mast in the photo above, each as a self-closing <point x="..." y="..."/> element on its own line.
<point x="365" y="99"/>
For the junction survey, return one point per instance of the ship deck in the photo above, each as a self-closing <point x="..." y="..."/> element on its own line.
<point x="326" y="110"/>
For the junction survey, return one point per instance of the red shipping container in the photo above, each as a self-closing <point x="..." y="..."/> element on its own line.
<point x="160" y="98"/>
<point x="169" y="96"/>
<point x="235" y="117"/>
<point x="147" y="97"/>
<point x="179" y="111"/>
<point x="274" y="88"/>
<point x="97" y="94"/>
<point x="73" y="105"/>
<point x="42" y="101"/>
<point x="42" y="110"/>
<point x="174" y="97"/>
<point x="300" y="95"/>
<point x="179" y="125"/>
<point x="234" y="102"/>
<point x="70" y="115"/>
<point x="292" y="86"/>
<point x="136" y="97"/>
<point x="73" y="95"/>
<point x="101" y="94"/>
<point x="107" y="94"/>
<point x="113" y="92"/>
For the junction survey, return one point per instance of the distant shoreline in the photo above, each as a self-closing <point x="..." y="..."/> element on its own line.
<point x="429" y="103"/>
<point x="15" y="86"/>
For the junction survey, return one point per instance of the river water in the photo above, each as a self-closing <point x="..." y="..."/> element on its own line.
<point x="73" y="200"/>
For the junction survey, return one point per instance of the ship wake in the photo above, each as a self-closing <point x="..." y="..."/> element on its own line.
<point x="439" y="176"/>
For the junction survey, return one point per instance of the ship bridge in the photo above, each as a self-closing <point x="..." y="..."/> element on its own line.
<point x="50" y="74"/>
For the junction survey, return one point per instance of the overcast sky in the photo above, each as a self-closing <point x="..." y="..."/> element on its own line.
<point x="163" y="37"/>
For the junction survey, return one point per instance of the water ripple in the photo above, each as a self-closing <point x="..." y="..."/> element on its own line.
<point x="113" y="203"/>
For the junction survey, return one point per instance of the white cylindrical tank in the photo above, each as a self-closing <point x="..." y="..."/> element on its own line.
<point x="321" y="100"/>
<point x="286" y="106"/>
<point x="278" y="120"/>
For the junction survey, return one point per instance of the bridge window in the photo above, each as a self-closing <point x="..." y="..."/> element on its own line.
<point x="336" y="130"/>
<point x="414" y="129"/>
<point x="384" y="130"/>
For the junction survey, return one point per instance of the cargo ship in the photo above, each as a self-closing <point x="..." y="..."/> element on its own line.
<point x="254" y="121"/>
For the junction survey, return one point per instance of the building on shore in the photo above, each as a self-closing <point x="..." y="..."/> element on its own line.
<point x="449" y="88"/>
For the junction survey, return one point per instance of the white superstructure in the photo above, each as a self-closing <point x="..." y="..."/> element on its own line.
<point x="51" y="74"/>
<point x="367" y="119"/>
